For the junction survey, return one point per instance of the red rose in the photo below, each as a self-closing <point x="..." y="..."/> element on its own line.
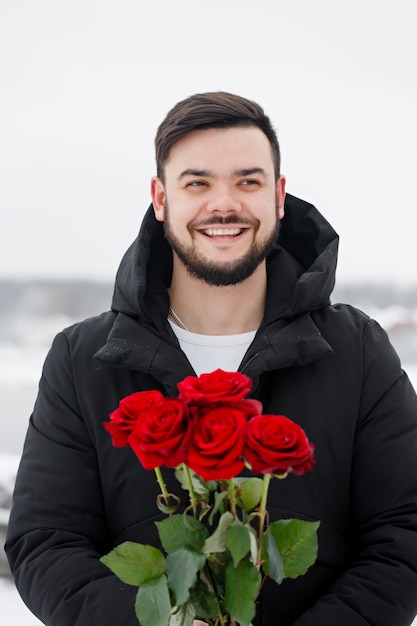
<point x="250" y="407"/>
<point x="215" y="443"/>
<point x="275" y="444"/>
<point x="216" y="387"/>
<point x="123" y="419"/>
<point x="158" y="436"/>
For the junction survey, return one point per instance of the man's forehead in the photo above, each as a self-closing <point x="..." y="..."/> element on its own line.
<point x="221" y="152"/>
<point x="210" y="138"/>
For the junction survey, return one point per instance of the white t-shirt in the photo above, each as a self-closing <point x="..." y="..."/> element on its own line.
<point x="207" y="353"/>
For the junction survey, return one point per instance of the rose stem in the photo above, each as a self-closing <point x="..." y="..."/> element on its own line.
<point x="262" y="512"/>
<point x="162" y="484"/>
<point x="191" y="488"/>
<point x="232" y="497"/>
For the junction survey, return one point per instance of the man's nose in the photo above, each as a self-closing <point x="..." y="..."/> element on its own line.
<point x="224" y="201"/>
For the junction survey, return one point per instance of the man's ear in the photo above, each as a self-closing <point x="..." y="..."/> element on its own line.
<point x="158" y="198"/>
<point x="280" y="196"/>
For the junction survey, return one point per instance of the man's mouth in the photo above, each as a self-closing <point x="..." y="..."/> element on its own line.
<point x="222" y="232"/>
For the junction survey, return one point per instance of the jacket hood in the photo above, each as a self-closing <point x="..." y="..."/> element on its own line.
<point x="301" y="268"/>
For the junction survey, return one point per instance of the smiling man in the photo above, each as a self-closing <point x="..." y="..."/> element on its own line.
<point x="230" y="197"/>
<point x="228" y="271"/>
<point x="221" y="205"/>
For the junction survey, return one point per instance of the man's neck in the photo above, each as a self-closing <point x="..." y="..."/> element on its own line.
<point x="211" y="310"/>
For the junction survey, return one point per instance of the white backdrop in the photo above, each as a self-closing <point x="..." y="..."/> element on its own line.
<point x="85" y="83"/>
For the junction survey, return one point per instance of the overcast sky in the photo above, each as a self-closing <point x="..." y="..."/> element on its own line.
<point x="85" y="83"/>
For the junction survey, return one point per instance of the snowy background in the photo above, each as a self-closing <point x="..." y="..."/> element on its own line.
<point x="83" y="87"/>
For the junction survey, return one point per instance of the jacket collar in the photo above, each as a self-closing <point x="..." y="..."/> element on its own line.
<point x="285" y="343"/>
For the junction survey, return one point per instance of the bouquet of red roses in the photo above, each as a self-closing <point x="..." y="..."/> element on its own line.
<point x="221" y="547"/>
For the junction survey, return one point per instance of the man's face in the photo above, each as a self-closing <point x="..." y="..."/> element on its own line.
<point x="220" y="203"/>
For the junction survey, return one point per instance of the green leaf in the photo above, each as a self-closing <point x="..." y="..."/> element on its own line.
<point x="152" y="606"/>
<point x="214" y="574"/>
<point x="238" y="540"/>
<point x="183" y="616"/>
<point x="217" y="542"/>
<point x="219" y="497"/>
<point x="242" y="587"/>
<point x="297" y="543"/>
<point x="249" y="492"/>
<point x="135" y="563"/>
<point x="253" y="545"/>
<point x="273" y="565"/>
<point x="205" y="602"/>
<point x="179" y="531"/>
<point x="182" y="568"/>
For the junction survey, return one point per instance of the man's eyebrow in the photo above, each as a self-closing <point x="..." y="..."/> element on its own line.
<point x="249" y="171"/>
<point x="194" y="172"/>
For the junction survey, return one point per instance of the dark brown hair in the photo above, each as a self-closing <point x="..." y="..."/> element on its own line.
<point x="216" y="109"/>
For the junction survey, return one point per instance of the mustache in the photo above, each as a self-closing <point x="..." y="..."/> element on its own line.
<point x="218" y="220"/>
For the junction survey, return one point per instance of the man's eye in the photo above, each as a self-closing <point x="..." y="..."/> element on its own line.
<point x="196" y="183"/>
<point x="249" y="182"/>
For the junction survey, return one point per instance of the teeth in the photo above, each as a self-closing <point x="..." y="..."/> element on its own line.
<point x="216" y="232"/>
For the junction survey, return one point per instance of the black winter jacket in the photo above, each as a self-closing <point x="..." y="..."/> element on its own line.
<point x="328" y="367"/>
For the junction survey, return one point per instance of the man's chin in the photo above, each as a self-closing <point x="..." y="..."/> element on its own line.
<point x="217" y="275"/>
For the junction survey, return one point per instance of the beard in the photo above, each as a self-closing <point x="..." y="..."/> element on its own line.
<point x="221" y="274"/>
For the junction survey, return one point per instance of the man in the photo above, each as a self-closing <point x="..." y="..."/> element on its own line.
<point x="229" y="272"/>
